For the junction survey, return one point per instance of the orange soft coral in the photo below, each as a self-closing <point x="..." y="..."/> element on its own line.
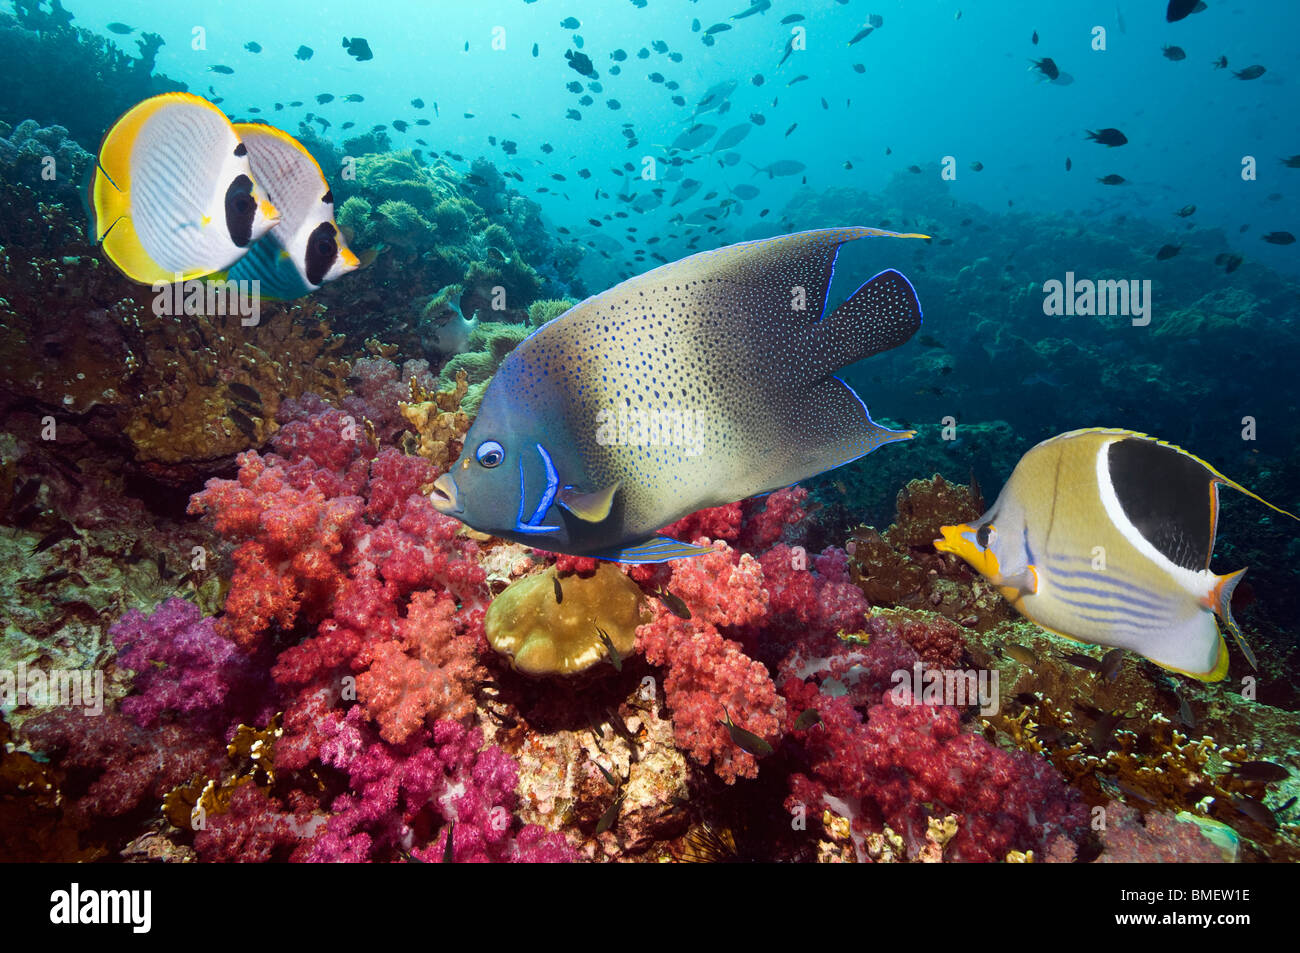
<point x="428" y="672"/>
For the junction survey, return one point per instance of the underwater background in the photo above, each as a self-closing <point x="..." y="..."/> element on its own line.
<point x="229" y="523"/>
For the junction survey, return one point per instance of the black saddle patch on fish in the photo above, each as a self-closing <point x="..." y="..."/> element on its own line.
<point x="322" y="250"/>
<point x="241" y="208"/>
<point x="1168" y="496"/>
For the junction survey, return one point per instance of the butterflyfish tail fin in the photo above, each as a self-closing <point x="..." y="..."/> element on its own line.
<point x="1221" y="596"/>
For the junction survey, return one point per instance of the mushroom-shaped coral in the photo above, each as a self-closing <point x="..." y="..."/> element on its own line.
<point x="543" y="636"/>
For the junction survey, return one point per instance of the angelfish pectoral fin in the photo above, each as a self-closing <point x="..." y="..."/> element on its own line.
<point x="1221" y="603"/>
<point x="661" y="549"/>
<point x="588" y="507"/>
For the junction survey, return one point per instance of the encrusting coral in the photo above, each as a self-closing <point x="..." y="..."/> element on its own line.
<point x="544" y="637"/>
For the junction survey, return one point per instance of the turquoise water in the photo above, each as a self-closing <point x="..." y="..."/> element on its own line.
<point x="933" y="86"/>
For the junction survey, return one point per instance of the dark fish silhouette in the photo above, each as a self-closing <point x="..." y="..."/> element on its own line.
<point x="358" y="49"/>
<point x="304" y="53"/>
<point x="1178" y="9"/>
<point x="1047" y="66"/>
<point x="580" y="63"/>
<point x="1229" y="261"/>
<point x="1108" y="137"/>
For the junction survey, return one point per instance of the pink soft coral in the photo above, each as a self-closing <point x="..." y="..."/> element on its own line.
<point x="185" y="667"/>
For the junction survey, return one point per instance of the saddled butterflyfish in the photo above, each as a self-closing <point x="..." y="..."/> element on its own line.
<point x="173" y="194"/>
<point x="1105" y="536"/>
<point x="702" y="382"/>
<point x="305" y="249"/>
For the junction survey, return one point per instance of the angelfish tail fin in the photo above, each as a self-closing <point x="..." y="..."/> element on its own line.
<point x="1221" y="603"/>
<point x="882" y="314"/>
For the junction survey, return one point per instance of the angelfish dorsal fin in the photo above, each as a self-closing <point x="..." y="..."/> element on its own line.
<point x="590" y="507"/>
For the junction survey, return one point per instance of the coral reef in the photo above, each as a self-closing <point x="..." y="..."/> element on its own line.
<point x="183" y="667"/>
<point x="39" y="44"/>
<point x="489" y="344"/>
<point x="440" y="420"/>
<point x="907" y="759"/>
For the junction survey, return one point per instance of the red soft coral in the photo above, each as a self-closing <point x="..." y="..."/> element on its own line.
<point x="427" y="673"/>
<point x="707" y="672"/>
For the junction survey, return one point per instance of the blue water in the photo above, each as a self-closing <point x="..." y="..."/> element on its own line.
<point x="933" y="86"/>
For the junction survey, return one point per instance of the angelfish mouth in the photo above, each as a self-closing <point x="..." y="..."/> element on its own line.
<point x="445" y="496"/>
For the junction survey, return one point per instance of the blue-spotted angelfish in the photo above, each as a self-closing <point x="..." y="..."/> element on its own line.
<point x="305" y="249"/>
<point x="1105" y="536"/>
<point x="173" y="195"/>
<point x="702" y="382"/>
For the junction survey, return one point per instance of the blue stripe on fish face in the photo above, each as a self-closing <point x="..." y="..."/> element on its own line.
<point x="533" y="524"/>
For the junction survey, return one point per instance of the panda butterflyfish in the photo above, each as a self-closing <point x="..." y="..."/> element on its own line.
<point x="173" y="195"/>
<point x="305" y="249"/>
<point x="1105" y="536"/>
<point x="702" y="382"/>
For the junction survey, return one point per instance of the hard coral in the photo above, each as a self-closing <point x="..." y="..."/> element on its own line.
<point x="438" y="419"/>
<point x="544" y="637"/>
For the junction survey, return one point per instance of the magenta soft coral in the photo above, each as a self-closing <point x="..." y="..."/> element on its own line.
<point x="437" y="776"/>
<point x="906" y="755"/>
<point x="184" y="666"/>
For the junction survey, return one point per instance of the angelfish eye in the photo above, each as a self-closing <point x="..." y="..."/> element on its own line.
<point x="490" y="453"/>
<point x="986" y="535"/>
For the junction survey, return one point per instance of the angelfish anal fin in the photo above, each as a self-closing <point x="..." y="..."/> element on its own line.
<point x="588" y="507"/>
<point x="660" y="549"/>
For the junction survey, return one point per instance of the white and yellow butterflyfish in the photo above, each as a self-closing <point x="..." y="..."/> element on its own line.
<point x="305" y="249"/>
<point x="1105" y="536"/>
<point x="173" y="195"/>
